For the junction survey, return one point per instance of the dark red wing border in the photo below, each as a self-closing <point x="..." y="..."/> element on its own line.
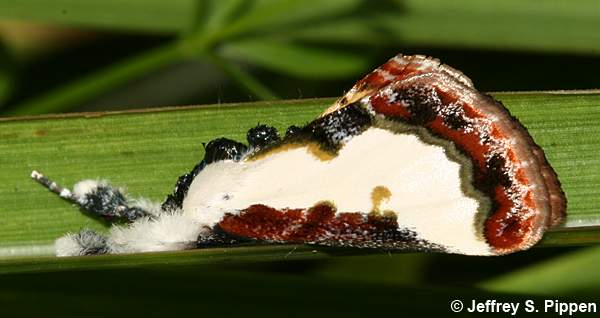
<point x="508" y="165"/>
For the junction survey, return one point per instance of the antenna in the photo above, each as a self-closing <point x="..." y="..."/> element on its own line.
<point x="53" y="187"/>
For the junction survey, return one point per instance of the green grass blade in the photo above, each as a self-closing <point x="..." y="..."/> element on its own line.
<point x="6" y="74"/>
<point x="247" y="31"/>
<point x="573" y="235"/>
<point x="95" y="84"/>
<point x="242" y="78"/>
<point x="219" y="13"/>
<point x="147" y="150"/>
<point x="273" y="15"/>
<point x="352" y="30"/>
<point x="232" y="255"/>
<point x="5" y="86"/>
<point x="296" y="60"/>
<point x="550" y="277"/>
<point x="216" y="292"/>
<point x="155" y="16"/>
<point x="553" y="25"/>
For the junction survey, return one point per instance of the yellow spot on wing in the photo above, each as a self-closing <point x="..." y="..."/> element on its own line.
<point x="378" y="195"/>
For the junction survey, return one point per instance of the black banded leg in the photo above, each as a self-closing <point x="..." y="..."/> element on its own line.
<point x="101" y="199"/>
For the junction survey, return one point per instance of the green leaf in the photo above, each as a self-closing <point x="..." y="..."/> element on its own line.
<point x="566" y="275"/>
<point x="580" y="231"/>
<point x="92" y="85"/>
<point x="296" y="60"/>
<point x="231" y="255"/>
<point x="353" y="30"/>
<point x="255" y="25"/>
<point x="219" y="13"/>
<point x="146" y="150"/>
<point x="272" y="15"/>
<point x="6" y="74"/>
<point x="6" y="86"/>
<point x="243" y="78"/>
<point x="219" y="26"/>
<point x="156" y="16"/>
<point x="553" y="25"/>
<point x="519" y="24"/>
<point x="191" y="291"/>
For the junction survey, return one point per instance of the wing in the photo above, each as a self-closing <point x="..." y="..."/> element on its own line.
<point x="412" y="157"/>
<point x="396" y="69"/>
<point x="508" y="165"/>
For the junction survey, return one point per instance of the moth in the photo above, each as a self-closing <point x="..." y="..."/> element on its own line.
<point x="412" y="157"/>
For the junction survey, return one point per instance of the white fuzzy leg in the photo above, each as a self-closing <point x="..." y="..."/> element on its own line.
<point x="86" y="242"/>
<point x="169" y="231"/>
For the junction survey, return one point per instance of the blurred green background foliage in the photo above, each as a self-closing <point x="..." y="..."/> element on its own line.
<point x="95" y="55"/>
<point x="69" y="55"/>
